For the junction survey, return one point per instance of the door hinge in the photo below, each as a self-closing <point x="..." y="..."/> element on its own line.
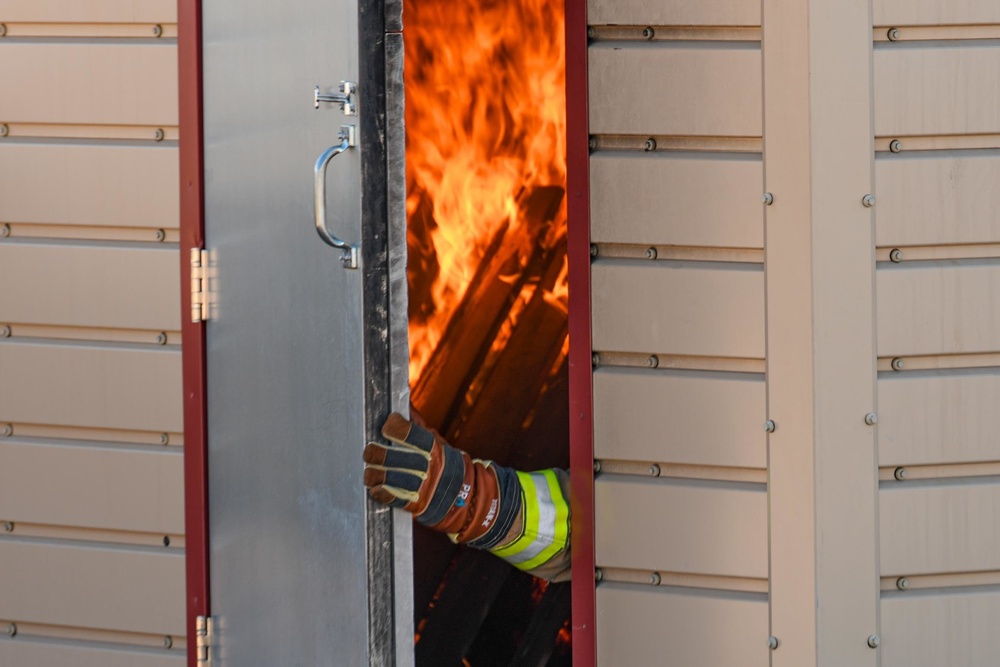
<point x="199" y="285"/>
<point x="203" y="640"/>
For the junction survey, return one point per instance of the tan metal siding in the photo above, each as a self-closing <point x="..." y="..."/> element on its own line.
<point x="91" y="11"/>
<point x="935" y="12"/>
<point x="30" y="652"/>
<point x="957" y="629"/>
<point x="674" y="12"/>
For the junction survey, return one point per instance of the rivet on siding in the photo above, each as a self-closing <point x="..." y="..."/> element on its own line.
<point x="598" y="574"/>
<point x="159" y="135"/>
<point x="902" y="583"/>
<point x="652" y="361"/>
<point x="654" y="470"/>
<point x="871" y="418"/>
<point x="768" y="199"/>
<point x="597" y="466"/>
<point x="900" y="473"/>
<point x="868" y="201"/>
<point x="655" y="579"/>
<point x="897" y="364"/>
<point x="5" y="230"/>
<point x="895" y="255"/>
<point x="8" y="526"/>
<point x="648" y="32"/>
<point x="650" y="253"/>
<point x="166" y="540"/>
<point x="594" y="250"/>
<point x="895" y="146"/>
<point x="873" y="641"/>
<point x="157" y="30"/>
<point x="770" y="426"/>
<point x="595" y="360"/>
<point x="772" y="642"/>
<point x="592" y="143"/>
<point x="650" y="144"/>
<point x="591" y="33"/>
<point x="168" y="641"/>
<point x="4" y="130"/>
<point x="164" y="438"/>
<point x="892" y="34"/>
<point x="5" y="331"/>
<point x="161" y="338"/>
<point x="3" y="29"/>
<point x="8" y="430"/>
<point x="12" y="629"/>
<point x="161" y="235"/>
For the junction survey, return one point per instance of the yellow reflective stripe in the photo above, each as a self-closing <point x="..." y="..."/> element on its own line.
<point x="545" y="529"/>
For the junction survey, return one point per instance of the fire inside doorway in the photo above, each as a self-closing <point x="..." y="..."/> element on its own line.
<point x="487" y="272"/>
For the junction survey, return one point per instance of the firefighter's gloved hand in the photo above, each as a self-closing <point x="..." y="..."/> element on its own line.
<point x="475" y="502"/>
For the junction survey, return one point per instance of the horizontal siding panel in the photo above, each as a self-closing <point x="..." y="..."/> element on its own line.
<point x="938" y="310"/>
<point x="942" y="90"/>
<point x="25" y="652"/>
<point x="686" y="527"/>
<point x="92" y="487"/>
<point x="938" y="419"/>
<point x="958" y="630"/>
<point x="654" y="88"/>
<point x="91" y="11"/>
<point x="935" y="12"/>
<point x="674" y="12"/>
<point x="659" y="627"/>
<point x="90" y="286"/>
<point x="684" y="418"/>
<point x="91" y="386"/>
<point x="939" y="529"/>
<point x="108" y="588"/>
<point x="938" y="201"/>
<point x="687" y="201"/>
<point x="108" y="186"/>
<point x="678" y="308"/>
<point x="123" y="84"/>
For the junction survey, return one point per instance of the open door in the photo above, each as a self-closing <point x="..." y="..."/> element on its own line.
<point x="305" y="332"/>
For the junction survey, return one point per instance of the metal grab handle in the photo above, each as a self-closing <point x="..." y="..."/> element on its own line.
<point x="349" y="255"/>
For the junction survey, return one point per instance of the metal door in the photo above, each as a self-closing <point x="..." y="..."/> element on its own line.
<point x="305" y="354"/>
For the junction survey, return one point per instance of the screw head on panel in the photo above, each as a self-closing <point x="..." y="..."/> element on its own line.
<point x="595" y="360"/>
<point x="5" y="331"/>
<point x="772" y="642"/>
<point x="770" y="426"/>
<point x="897" y="364"/>
<point x="895" y="146"/>
<point x="591" y="33"/>
<point x="892" y="34"/>
<point x="161" y="338"/>
<point x="597" y="466"/>
<point x="159" y="135"/>
<point x="902" y="583"/>
<point x="655" y="579"/>
<point x="161" y="235"/>
<point x="895" y="255"/>
<point x="11" y="629"/>
<point x="592" y="143"/>
<point x="598" y="574"/>
<point x="5" y="230"/>
<point x="594" y="250"/>
<point x="8" y="430"/>
<point x="168" y="641"/>
<point x="164" y="438"/>
<point x="900" y="473"/>
<point x="871" y="418"/>
<point x="873" y="641"/>
<point x="3" y="29"/>
<point x="157" y="30"/>
<point x="650" y="145"/>
<point x="8" y="526"/>
<point x="653" y="361"/>
<point x="166" y="540"/>
<point x="648" y="32"/>
<point x="4" y="129"/>
<point x="651" y="253"/>
<point x="654" y="470"/>
<point x="768" y="199"/>
<point x="868" y="201"/>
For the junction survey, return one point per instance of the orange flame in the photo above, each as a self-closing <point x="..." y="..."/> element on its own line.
<point x="486" y="126"/>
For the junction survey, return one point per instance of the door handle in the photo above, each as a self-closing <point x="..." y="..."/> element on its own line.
<point x="349" y="252"/>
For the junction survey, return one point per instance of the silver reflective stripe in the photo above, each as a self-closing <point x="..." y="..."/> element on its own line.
<point x="546" y="534"/>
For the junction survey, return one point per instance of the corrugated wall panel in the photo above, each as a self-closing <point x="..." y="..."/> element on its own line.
<point x="939" y="418"/>
<point x="957" y="630"/>
<point x="674" y="12"/>
<point x="100" y="83"/>
<point x="129" y="288"/>
<point x="935" y="12"/>
<point x="664" y="89"/>
<point x="128" y="589"/>
<point x="947" y="308"/>
<point x="678" y="417"/>
<point x="31" y="652"/>
<point x="101" y="185"/>
<point x="937" y="200"/>
<point x="91" y="385"/>
<point x="687" y="527"/>
<point x="939" y="90"/>
<point x="91" y="11"/>
<point x="111" y="488"/>
<point x="682" y="308"/>
<point x="680" y="628"/>
<point x="677" y="200"/>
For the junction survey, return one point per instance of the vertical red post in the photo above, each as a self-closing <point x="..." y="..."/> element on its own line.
<point x="580" y="371"/>
<point x="193" y="335"/>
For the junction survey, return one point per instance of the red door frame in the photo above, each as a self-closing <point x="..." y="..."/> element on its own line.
<point x="580" y="369"/>
<point x="193" y="335"/>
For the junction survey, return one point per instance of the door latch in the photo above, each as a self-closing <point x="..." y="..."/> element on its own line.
<point x="345" y="98"/>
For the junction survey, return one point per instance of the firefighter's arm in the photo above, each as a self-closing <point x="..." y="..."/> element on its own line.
<point x="521" y="517"/>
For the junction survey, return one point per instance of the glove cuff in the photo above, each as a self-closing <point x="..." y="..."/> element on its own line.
<point x="508" y="508"/>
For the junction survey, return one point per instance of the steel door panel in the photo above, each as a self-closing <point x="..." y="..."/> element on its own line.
<point x="130" y="589"/>
<point x="91" y="11"/>
<point x="935" y="12"/>
<point x="683" y="629"/>
<point x="136" y="388"/>
<point x="688" y="526"/>
<point x="674" y="12"/>
<point x="111" y="84"/>
<point x="26" y="651"/>
<point x="91" y="286"/>
<point x="937" y="418"/>
<point x="677" y="417"/>
<point x="69" y="184"/>
<point x="947" y="308"/>
<point x="957" y="629"/>
<point x="939" y="527"/>
<point x="939" y="90"/>
<point x="111" y="488"/>
<point x="669" y="89"/>
<point x="677" y="200"/>
<point x="937" y="201"/>
<point x="679" y="308"/>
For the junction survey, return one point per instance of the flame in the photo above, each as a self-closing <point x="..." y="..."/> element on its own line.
<point x="486" y="127"/>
